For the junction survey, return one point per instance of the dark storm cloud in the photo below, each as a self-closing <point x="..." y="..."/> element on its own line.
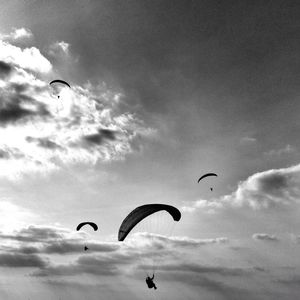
<point x="43" y="142"/>
<point x="101" y="136"/>
<point x="5" y="69"/>
<point x="16" y="260"/>
<point x="265" y="237"/>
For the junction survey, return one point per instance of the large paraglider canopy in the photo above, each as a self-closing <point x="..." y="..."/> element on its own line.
<point x="141" y="213"/>
<point x="95" y="227"/>
<point x="206" y="175"/>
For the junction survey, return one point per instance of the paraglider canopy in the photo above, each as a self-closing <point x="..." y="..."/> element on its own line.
<point x="95" y="227"/>
<point x="141" y="213"/>
<point x="206" y="175"/>
<point x="60" y="81"/>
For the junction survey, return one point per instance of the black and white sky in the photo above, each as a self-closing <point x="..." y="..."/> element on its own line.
<point x="161" y="93"/>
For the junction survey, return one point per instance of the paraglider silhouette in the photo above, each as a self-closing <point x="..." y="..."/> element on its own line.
<point x="92" y="224"/>
<point x="139" y="214"/>
<point x="207" y="175"/>
<point x="60" y="82"/>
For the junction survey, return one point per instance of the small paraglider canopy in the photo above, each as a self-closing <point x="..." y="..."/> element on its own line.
<point x="95" y="227"/>
<point x="141" y="213"/>
<point x="206" y="175"/>
<point x="60" y="81"/>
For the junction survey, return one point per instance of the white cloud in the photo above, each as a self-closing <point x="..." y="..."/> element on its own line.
<point x="13" y="217"/>
<point x="247" y="140"/>
<point x="21" y="33"/>
<point x="267" y="189"/>
<point x="209" y="206"/>
<point x="59" y="47"/>
<point x="285" y="150"/>
<point x="17" y="34"/>
<point x="27" y="58"/>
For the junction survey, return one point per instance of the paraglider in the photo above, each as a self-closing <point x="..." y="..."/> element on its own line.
<point x="137" y="216"/>
<point x="93" y="225"/>
<point x="59" y="81"/>
<point x="141" y="213"/>
<point x="207" y="175"/>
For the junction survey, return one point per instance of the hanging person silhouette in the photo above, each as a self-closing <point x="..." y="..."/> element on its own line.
<point x="150" y="282"/>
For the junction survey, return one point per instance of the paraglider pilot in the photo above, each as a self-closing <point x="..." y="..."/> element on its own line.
<point x="150" y="283"/>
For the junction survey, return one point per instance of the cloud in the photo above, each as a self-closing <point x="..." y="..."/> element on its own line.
<point x="265" y="237"/>
<point x="53" y="240"/>
<point x="36" y="234"/>
<point x="101" y="136"/>
<point x="16" y="260"/>
<point x="160" y="241"/>
<point x="248" y="140"/>
<point x="43" y="142"/>
<point x="12" y="216"/>
<point x="209" y="206"/>
<point x="5" y="69"/>
<point x="59" y="48"/>
<point x="291" y="281"/>
<point x="286" y="150"/>
<point x="267" y="189"/>
<point x="27" y="58"/>
<point x="202" y="269"/>
<point x="100" y="265"/>
<point x="17" y="34"/>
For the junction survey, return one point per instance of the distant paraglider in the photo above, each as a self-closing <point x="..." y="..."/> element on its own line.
<point x="60" y="81"/>
<point x="93" y="225"/>
<point x="207" y="175"/>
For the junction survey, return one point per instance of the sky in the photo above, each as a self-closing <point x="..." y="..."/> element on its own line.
<point x="161" y="92"/>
